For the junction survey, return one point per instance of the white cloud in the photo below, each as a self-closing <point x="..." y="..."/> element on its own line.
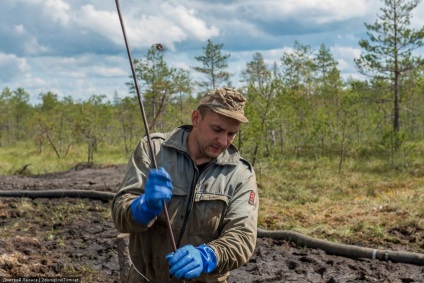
<point x="31" y="46"/>
<point x="346" y="51"/>
<point x="12" y="67"/>
<point x="105" y="23"/>
<point x="417" y="20"/>
<point x="73" y="74"/>
<point x="141" y="32"/>
<point x="312" y="11"/>
<point x="107" y="71"/>
<point x="36" y="82"/>
<point x="19" y="29"/>
<point x="58" y="10"/>
<point x="342" y="64"/>
<point x="170" y="25"/>
<point x="29" y="43"/>
<point x="189" y="21"/>
<point x="345" y="56"/>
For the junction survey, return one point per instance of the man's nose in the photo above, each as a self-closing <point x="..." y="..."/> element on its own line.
<point x="222" y="139"/>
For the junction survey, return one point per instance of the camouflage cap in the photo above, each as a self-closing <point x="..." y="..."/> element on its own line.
<point x="225" y="101"/>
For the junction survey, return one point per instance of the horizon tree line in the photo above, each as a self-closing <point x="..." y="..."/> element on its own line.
<point x="298" y="106"/>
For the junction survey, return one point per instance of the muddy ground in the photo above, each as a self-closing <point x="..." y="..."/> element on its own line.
<point x="75" y="237"/>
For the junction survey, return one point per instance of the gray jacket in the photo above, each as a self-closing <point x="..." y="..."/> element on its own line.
<point x="218" y="207"/>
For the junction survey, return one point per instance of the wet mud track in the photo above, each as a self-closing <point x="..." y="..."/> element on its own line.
<point x="75" y="237"/>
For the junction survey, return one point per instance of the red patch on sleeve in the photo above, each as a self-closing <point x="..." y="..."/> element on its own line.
<point x="252" y="197"/>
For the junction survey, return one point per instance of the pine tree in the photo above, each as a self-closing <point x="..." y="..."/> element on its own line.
<point x="387" y="53"/>
<point x="214" y="66"/>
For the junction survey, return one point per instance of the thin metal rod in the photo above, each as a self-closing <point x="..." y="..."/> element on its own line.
<point x="146" y="126"/>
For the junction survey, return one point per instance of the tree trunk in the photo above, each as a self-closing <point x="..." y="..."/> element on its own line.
<point x="396" y="124"/>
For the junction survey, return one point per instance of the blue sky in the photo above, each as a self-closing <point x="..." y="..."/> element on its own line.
<point x="76" y="48"/>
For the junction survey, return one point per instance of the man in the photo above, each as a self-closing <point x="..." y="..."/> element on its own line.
<point x="210" y="193"/>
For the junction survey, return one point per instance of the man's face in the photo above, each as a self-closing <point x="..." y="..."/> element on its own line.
<point x="213" y="133"/>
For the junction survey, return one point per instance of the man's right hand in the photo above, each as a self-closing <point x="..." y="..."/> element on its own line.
<point x="158" y="188"/>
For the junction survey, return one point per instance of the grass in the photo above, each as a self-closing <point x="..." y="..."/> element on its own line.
<point x="361" y="204"/>
<point x="373" y="200"/>
<point x="14" y="158"/>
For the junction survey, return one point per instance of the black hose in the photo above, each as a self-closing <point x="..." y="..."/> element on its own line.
<point x="104" y="196"/>
<point x="350" y="251"/>
<point x="299" y="239"/>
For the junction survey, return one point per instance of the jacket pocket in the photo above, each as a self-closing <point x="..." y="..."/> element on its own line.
<point x="208" y="211"/>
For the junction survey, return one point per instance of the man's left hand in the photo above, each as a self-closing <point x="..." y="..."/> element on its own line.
<point x="189" y="262"/>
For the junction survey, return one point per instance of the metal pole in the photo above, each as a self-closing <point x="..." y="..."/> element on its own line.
<point x="146" y="126"/>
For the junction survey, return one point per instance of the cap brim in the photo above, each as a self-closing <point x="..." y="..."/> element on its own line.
<point x="231" y="114"/>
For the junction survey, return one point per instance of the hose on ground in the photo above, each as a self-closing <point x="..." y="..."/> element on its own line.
<point x="344" y="250"/>
<point x="104" y="196"/>
<point x="299" y="239"/>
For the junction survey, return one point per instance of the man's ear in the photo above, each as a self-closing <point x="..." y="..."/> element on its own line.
<point x="195" y="117"/>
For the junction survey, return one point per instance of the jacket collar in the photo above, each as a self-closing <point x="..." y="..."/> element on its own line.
<point x="178" y="139"/>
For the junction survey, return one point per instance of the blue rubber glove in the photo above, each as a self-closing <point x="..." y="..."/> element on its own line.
<point x="189" y="262"/>
<point x="158" y="188"/>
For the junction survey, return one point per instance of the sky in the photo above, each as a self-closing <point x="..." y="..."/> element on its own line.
<point x="76" y="47"/>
